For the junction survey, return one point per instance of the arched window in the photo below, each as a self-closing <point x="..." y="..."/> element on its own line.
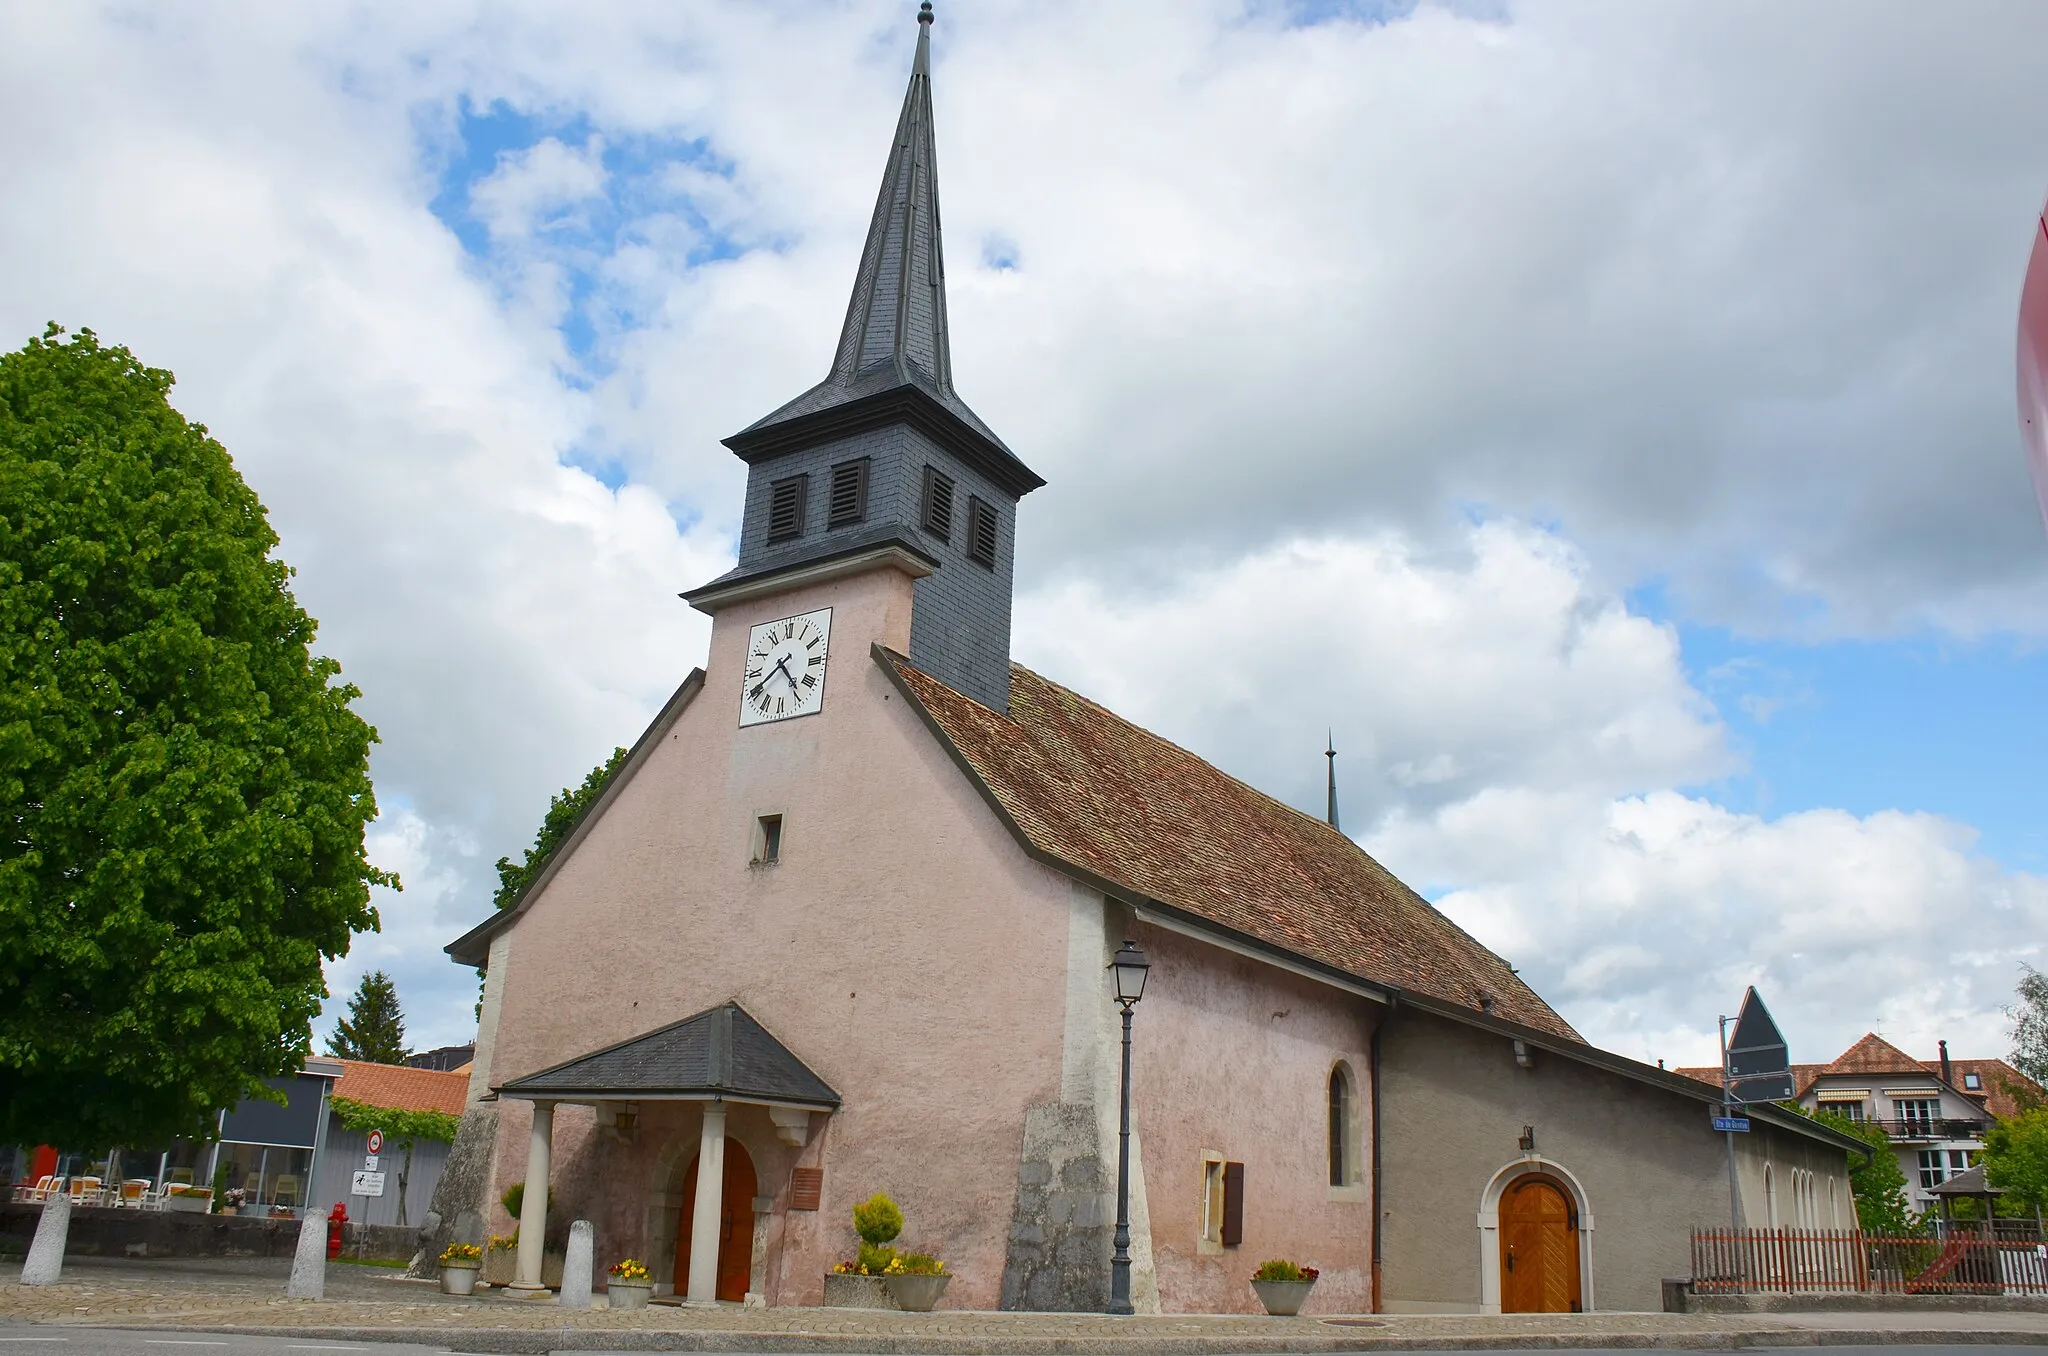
<point x="1343" y="1119"/>
<point x="1770" y="1198"/>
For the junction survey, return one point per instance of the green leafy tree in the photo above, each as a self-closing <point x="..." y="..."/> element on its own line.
<point x="1878" y="1184"/>
<point x="2030" y="1026"/>
<point x="563" y="812"/>
<point x="401" y="1128"/>
<point x="2016" y="1161"/>
<point x="184" y="786"/>
<point x="374" y="1029"/>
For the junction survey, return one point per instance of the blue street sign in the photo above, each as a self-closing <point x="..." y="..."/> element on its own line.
<point x="1734" y="1125"/>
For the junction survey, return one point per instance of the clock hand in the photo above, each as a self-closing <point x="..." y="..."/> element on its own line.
<point x="783" y="665"/>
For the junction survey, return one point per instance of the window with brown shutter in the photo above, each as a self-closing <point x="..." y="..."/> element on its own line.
<point x="938" y="503"/>
<point x="786" y="508"/>
<point x="849" y="494"/>
<point x="981" y="533"/>
<point x="1233" y="1204"/>
<point x="806" y="1185"/>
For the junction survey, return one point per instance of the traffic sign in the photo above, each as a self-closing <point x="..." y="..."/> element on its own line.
<point x="1759" y="1064"/>
<point x="1734" y="1125"/>
<point x="369" y="1162"/>
<point x="376" y="1141"/>
<point x="366" y="1184"/>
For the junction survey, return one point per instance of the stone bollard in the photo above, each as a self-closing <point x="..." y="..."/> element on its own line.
<point x="309" y="1263"/>
<point x="45" y="1262"/>
<point x="576" y="1267"/>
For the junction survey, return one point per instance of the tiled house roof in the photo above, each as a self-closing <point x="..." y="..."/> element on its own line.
<point x="398" y="1088"/>
<point x="1875" y="1055"/>
<point x="1093" y="792"/>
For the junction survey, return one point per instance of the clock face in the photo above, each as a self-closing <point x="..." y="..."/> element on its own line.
<point x="785" y="673"/>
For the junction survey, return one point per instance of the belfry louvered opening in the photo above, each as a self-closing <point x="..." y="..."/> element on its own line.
<point x="938" y="503"/>
<point x="849" y="493"/>
<point x="981" y="533"/>
<point x="786" y="508"/>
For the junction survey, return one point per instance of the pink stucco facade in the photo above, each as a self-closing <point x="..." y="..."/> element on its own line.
<point x="941" y="980"/>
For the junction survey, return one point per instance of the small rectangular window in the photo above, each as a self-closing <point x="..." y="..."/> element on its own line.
<point x="938" y="503"/>
<point x="1972" y="1082"/>
<point x="786" y="508"/>
<point x="1212" y="1200"/>
<point x="767" y="840"/>
<point x="849" y="493"/>
<point x="981" y="533"/>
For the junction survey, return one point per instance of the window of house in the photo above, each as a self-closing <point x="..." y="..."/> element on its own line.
<point x="849" y="493"/>
<point x="1931" y="1164"/>
<point x="1918" y="1111"/>
<point x="767" y="840"/>
<point x="938" y="503"/>
<point x="981" y="533"/>
<point x="1972" y="1082"/>
<point x="1223" y="1202"/>
<point x="1212" y="1200"/>
<point x="786" y="508"/>
<point x="1342" y="1169"/>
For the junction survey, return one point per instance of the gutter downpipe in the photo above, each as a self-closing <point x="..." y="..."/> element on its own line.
<point x="1378" y="1209"/>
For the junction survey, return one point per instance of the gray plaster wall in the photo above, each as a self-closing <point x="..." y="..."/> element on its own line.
<point x="1453" y="1106"/>
<point x="960" y="623"/>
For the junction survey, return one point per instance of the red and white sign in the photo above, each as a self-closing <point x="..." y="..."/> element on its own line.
<point x="376" y="1141"/>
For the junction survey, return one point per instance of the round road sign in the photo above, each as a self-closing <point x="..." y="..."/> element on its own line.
<point x="376" y="1141"/>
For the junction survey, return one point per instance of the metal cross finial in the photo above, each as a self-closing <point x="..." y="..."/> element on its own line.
<point x="924" y="12"/>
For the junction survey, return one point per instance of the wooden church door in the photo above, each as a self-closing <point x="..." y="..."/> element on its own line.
<point x="1539" y="1249"/>
<point x="735" y="1225"/>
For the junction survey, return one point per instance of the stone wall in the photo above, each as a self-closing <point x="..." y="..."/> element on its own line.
<point x="105" y="1232"/>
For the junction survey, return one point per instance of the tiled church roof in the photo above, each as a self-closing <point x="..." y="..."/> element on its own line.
<point x="397" y="1087"/>
<point x="1093" y="791"/>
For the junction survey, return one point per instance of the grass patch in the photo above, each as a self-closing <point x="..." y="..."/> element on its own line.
<point x="372" y="1262"/>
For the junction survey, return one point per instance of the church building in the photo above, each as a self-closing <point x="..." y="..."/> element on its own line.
<point x="841" y="924"/>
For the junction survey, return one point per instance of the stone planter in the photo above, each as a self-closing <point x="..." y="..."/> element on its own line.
<point x="916" y="1294"/>
<point x="856" y="1292"/>
<point x="631" y="1294"/>
<point x="458" y="1278"/>
<point x="191" y="1205"/>
<point x="1283" y="1297"/>
<point x="499" y="1265"/>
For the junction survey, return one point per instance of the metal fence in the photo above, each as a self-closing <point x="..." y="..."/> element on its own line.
<point x="2007" y="1261"/>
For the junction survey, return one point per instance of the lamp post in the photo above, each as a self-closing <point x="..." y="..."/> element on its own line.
<point x="1129" y="966"/>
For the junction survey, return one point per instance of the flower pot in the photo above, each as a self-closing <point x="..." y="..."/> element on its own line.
<point x="856" y="1292"/>
<point x="458" y="1278"/>
<point x="631" y="1294"/>
<point x="917" y="1294"/>
<point x="1283" y="1297"/>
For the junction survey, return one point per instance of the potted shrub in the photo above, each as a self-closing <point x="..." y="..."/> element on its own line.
<point x="193" y="1200"/>
<point x="915" y="1280"/>
<point x="631" y="1285"/>
<point x="1282" y="1286"/>
<point x="460" y="1262"/>
<point x="231" y="1200"/>
<point x="858" y="1284"/>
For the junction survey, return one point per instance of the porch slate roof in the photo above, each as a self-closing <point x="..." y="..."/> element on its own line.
<point x="721" y="1052"/>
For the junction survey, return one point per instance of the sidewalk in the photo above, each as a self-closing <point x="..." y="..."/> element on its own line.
<point x="385" y="1308"/>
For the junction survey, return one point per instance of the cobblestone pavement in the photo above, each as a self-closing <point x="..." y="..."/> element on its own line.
<point x="362" y="1304"/>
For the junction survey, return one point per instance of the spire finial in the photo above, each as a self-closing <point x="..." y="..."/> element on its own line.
<point x="924" y="12"/>
<point x="1330" y="752"/>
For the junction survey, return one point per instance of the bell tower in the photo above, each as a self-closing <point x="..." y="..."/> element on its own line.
<point x="882" y="463"/>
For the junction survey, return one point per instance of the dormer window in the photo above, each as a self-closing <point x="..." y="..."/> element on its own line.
<point x="786" y="508"/>
<point x="981" y="533"/>
<point x="1972" y="1082"/>
<point x="938" y="503"/>
<point x="849" y="494"/>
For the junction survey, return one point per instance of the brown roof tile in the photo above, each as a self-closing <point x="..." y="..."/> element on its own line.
<point x="2000" y="1081"/>
<point x="398" y="1088"/>
<point x="1085" y="787"/>
<point x="1875" y="1055"/>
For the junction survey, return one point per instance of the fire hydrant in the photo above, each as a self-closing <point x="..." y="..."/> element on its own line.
<point x="337" y="1221"/>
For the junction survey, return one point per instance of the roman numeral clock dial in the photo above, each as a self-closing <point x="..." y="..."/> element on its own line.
<point x="785" y="670"/>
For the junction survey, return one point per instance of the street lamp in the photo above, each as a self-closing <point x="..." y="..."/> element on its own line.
<point x="1129" y="966"/>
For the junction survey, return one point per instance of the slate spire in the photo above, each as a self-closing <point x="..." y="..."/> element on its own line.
<point x="1330" y="752"/>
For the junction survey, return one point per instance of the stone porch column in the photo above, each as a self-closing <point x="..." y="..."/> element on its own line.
<point x="533" y="1205"/>
<point x="709" y="1208"/>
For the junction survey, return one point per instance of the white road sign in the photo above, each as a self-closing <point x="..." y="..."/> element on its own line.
<point x="366" y="1184"/>
<point x="369" y="1162"/>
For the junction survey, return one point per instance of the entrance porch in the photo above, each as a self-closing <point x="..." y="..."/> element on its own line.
<point x="722" y="1107"/>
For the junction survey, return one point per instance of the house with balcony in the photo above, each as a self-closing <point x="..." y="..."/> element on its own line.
<point x="1935" y="1111"/>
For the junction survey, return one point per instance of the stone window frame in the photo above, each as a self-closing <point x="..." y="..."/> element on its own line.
<point x="1352" y="1190"/>
<point x="1209" y="1209"/>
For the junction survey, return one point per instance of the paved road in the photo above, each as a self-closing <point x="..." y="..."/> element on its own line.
<point x="23" y="1340"/>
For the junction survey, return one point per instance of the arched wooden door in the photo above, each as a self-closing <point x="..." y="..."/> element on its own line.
<point x="735" y="1225"/>
<point x="1539" y="1249"/>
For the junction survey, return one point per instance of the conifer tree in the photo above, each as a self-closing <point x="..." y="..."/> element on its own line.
<point x="374" y="1029"/>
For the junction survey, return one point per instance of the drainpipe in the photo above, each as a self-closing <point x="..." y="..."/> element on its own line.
<point x="1378" y="1208"/>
